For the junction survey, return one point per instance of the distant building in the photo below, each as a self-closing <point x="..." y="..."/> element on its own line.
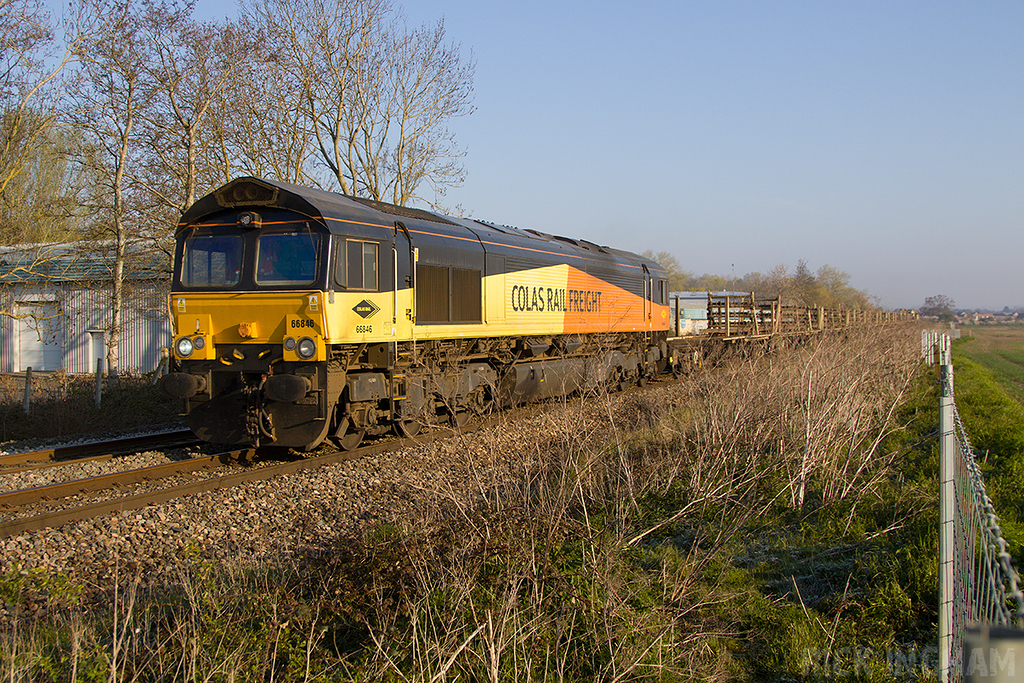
<point x="56" y="301"/>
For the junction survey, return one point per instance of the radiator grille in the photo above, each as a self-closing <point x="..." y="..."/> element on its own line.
<point x="431" y="294"/>
<point x="446" y="295"/>
<point x="466" y="296"/>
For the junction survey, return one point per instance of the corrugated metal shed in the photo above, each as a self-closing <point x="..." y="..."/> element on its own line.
<point x="58" y="301"/>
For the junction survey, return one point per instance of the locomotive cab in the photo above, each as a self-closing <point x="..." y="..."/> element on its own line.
<point x="250" y="299"/>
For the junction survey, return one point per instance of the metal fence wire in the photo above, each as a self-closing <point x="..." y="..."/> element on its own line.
<point x="977" y="581"/>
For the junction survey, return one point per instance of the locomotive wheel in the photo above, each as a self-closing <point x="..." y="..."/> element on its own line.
<point x="459" y="418"/>
<point x="408" y="428"/>
<point x="351" y="441"/>
<point x="347" y="440"/>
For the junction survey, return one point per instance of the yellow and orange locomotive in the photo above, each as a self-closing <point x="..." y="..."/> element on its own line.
<point x="302" y="315"/>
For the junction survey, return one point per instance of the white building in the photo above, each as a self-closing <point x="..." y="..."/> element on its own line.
<point x="56" y="302"/>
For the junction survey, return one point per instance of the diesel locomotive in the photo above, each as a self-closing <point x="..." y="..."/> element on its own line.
<point x="302" y="315"/>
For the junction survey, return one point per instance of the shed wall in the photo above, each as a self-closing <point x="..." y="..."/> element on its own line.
<point x="145" y="328"/>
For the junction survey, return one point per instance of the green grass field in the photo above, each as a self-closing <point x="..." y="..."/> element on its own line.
<point x="989" y="366"/>
<point x="1001" y="350"/>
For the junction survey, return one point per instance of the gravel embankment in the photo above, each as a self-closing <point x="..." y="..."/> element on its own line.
<point x="294" y="513"/>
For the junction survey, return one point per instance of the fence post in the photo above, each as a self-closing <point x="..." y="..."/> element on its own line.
<point x="947" y="455"/>
<point x="99" y="381"/>
<point x="26" y="405"/>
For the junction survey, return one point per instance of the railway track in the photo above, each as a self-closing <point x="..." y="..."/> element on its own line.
<point x="221" y="471"/>
<point x="56" y="504"/>
<point x="99" y="450"/>
<point x="64" y="503"/>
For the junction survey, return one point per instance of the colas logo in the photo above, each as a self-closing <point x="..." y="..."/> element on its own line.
<point x="366" y="309"/>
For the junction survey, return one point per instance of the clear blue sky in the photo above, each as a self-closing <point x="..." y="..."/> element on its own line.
<point x="882" y="138"/>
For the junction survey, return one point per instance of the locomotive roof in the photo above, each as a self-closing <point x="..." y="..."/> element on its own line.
<point x="249" y="192"/>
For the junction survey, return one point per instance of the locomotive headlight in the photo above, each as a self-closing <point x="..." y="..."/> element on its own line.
<point x="199" y="342"/>
<point x="184" y="347"/>
<point x="249" y="219"/>
<point x="306" y="348"/>
<point x="289" y="344"/>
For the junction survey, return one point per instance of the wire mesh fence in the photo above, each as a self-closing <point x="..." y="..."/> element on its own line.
<point x="978" y="584"/>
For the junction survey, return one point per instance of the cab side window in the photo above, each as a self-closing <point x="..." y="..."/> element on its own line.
<point x="356" y="265"/>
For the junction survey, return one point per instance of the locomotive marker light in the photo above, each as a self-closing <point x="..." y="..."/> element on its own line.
<point x="195" y="346"/>
<point x="249" y="219"/>
<point x="305" y="336"/>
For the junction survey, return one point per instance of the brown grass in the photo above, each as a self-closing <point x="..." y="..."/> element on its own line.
<point x="602" y="551"/>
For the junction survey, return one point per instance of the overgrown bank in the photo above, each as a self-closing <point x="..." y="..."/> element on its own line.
<point x="770" y="519"/>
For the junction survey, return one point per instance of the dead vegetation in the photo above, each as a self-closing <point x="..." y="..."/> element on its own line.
<point x="745" y="524"/>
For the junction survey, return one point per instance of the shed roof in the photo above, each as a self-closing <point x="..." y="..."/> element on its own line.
<point x="77" y="262"/>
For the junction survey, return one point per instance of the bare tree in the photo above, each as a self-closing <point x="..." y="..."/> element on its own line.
<point x="327" y="49"/>
<point x="39" y="203"/>
<point x="25" y="37"/>
<point x="678" y="279"/>
<point x="33" y="76"/>
<point x="37" y="185"/>
<point x="257" y="129"/>
<point x="189" y="65"/>
<point x="432" y="86"/>
<point x="377" y="97"/>
<point x="110" y="103"/>
<point x="836" y="290"/>
<point x="939" y="306"/>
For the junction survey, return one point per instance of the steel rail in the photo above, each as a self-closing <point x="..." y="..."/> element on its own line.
<point x="100" y="482"/>
<point x="141" y="500"/>
<point x="63" y="454"/>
